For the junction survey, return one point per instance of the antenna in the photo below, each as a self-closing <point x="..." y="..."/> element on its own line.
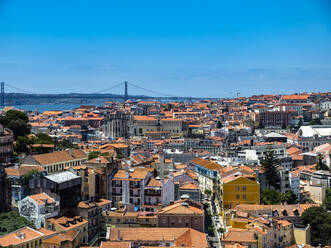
<point x="125" y="91"/>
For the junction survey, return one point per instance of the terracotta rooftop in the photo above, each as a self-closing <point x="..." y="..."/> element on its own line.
<point x="22" y="170"/>
<point x="183" y="207"/>
<point x="42" y="198"/>
<point x="180" y="236"/>
<point x="19" y="236"/>
<point x="206" y="163"/>
<point x="61" y="156"/>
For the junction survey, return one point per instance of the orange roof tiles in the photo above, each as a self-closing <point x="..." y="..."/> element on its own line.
<point x="20" y="236"/>
<point x="180" y="236"/>
<point x="42" y="198"/>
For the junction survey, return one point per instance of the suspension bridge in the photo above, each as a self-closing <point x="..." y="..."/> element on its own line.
<point x="104" y="93"/>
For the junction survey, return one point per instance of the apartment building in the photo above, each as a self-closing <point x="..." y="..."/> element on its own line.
<point x="38" y="208"/>
<point x="275" y="118"/>
<point x="182" y="213"/>
<point x="23" y="237"/>
<point x="128" y="186"/>
<point x="158" y="191"/>
<point x="66" y="224"/>
<point x="160" y="237"/>
<point x="56" y="161"/>
<point x="19" y="182"/>
<point x="64" y="186"/>
<point x="6" y="145"/>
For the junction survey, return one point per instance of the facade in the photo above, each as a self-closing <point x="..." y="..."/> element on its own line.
<point x="240" y="190"/>
<point x="56" y="161"/>
<point x="5" y="190"/>
<point x="158" y="191"/>
<point x="190" y="189"/>
<point x="116" y="125"/>
<point x="37" y="208"/>
<point x="92" y="212"/>
<point x="128" y="186"/>
<point x="310" y="137"/>
<point x="275" y="118"/>
<point x="19" y="181"/>
<point x="24" y="237"/>
<point x="143" y="125"/>
<point x="69" y="239"/>
<point x="64" y="187"/>
<point x="68" y="224"/>
<point x="6" y="145"/>
<point x="182" y="213"/>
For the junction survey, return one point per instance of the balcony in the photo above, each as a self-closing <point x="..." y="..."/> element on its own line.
<point x="116" y="185"/>
<point x="152" y="193"/>
<point x="116" y="193"/>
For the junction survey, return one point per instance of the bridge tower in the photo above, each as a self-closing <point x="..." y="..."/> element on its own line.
<point x="125" y="91"/>
<point x="2" y="100"/>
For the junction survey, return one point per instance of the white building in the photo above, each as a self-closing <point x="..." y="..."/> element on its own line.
<point x="37" y="208"/>
<point x="295" y="183"/>
<point x="312" y="136"/>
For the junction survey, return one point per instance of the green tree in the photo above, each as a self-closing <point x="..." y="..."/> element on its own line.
<point x="271" y="197"/>
<point x="12" y="221"/>
<point x="320" y="165"/>
<point x="93" y="155"/>
<point x="16" y="121"/>
<point x="43" y="138"/>
<point x="320" y="221"/>
<point x="290" y="197"/>
<point x="22" y="144"/>
<point x="270" y="165"/>
<point x="327" y="200"/>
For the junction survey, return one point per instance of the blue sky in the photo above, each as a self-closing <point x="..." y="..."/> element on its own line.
<point x="187" y="48"/>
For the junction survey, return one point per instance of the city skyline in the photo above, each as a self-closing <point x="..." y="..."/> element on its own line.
<point x="188" y="49"/>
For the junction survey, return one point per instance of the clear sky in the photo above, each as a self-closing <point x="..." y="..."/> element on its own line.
<point x="187" y="48"/>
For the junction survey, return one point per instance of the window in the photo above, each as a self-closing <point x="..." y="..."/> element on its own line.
<point x="237" y="188"/>
<point x="244" y="188"/>
<point x="244" y="197"/>
<point x="237" y="196"/>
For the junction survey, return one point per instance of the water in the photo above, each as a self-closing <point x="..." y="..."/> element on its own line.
<point x="47" y="107"/>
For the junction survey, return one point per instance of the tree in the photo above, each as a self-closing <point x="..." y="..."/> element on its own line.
<point x="320" y="164"/>
<point x="16" y="121"/>
<point x="271" y="197"/>
<point x="12" y="221"/>
<point x="93" y="155"/>
<point x="290" y="197"/>
<point x="327" y="200"/>
<point x="270" y="166"/>
<point x="43" y="138"/>
<point x="320" y="221"/>
<point x="22" y="144"/>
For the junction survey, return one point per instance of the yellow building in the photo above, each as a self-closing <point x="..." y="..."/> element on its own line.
<point x="21" y="238"/>
<point x="65" y="224"/>
<point x="240" y="190"/>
